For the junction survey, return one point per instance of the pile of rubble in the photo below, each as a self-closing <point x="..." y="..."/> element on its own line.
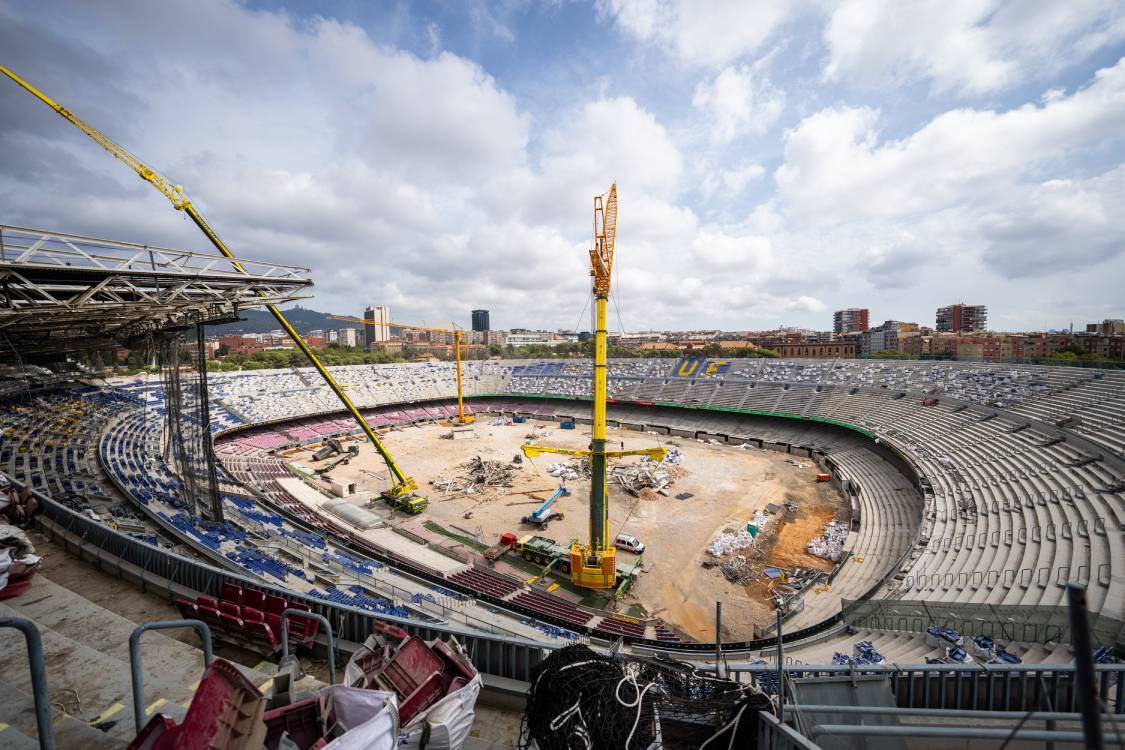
<point x="737" y="570"/>
<point x="830" y="544"/>
<point x="642" y="475"/>
<point x="728" y="542"/>
<point x="479" y="474"/>
<point x="575" y="468"/>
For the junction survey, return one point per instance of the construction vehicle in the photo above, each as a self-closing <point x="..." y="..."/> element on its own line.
<point x="594" y="565"/>
<point x="412" y="504"/>
<point x="542" y="550"/>
<point x="462" y="417"/>
<point x="401" y="485"/>
<point x="501" y="548"/>
<point x="542" y="515"/>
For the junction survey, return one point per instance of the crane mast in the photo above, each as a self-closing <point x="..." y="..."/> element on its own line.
<point x="401" y="484"/>
<point x="594" y="565"/>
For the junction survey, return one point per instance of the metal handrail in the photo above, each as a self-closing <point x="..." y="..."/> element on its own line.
<point x="286" y="614"/>
<point x="135" y="667"/>
<point x="38" y="678"/>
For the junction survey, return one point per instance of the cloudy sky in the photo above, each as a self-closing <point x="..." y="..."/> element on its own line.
<point x="775" y="160"/>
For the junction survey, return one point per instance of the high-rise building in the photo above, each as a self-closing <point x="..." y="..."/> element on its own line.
<point x="962" y="317"/>
<point x="852" y="320"/>
<point x="348" y="337"/>
<point x="378" y="330"/>
<point x="480" y="320"/>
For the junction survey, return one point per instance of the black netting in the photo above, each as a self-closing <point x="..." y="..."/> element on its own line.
<point x="186" y="439"/>
<point x="581" y="700"/>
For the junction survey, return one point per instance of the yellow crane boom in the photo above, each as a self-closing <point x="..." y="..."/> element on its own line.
<point x="462" y="417"/>
<point x="401" y="484"/>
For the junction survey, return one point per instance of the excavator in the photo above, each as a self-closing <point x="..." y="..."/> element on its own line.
<point x="594" y="565"/>
<point x="462" y="417"/>
<point x="402" y="489"/>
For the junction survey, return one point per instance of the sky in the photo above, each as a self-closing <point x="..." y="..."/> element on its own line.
<point x="775" y="161"/>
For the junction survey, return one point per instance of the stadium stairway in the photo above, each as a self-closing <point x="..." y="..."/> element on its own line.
<point x="86" y="649"/>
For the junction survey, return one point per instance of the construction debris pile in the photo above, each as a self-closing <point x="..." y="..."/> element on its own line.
<point x="728" y="542"/>
<point x="830" y="544"/>
<point x="641" y="475"/>
<point x="479" y="474"/>
<point x="737" y="570"/>
<point x="573" y="469"/>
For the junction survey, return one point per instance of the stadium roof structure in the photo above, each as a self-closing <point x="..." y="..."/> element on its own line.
<point x="64" y="293"/>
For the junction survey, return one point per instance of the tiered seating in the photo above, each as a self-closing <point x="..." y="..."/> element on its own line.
<point x="487" y="583"/>
<point x="553" y="606"/>
<point x="614" y="626"/>
<point x="251" y="618"/>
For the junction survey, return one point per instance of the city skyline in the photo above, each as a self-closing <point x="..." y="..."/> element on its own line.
<point x="441" y="157"/>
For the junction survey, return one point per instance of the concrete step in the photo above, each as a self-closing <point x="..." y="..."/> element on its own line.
<point x="13" y="739"/>
<point x="87" y="658"/>
<point x="18" y="710"/>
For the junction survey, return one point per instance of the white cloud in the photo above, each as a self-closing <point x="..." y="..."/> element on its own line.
<point x="837" y="169"/>
<point x="709" y="33"/>
<point x="968" y="46"/>
<point x="738" y="101"/>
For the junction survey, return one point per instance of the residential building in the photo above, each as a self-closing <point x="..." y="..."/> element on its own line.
<point x="852" y="320"/>
<point x="480" y="320"/>
<point x="378" y="330"/>
<point x="962" y="318"/>
<point x="349" y="337"/>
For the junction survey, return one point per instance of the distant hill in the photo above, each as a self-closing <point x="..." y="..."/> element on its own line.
<point x="260" y="321"/>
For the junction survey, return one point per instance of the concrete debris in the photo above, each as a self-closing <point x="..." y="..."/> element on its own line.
<point x="572" y="469"/>
<point x="490" y="473"/>
<point x="480" y="474"/>
<point x="641" y="475"/>
<point x="830" y="544"/>
<point x="799" y="463"/>
<point x="685" y="496"/>
<point x="737" y="570"/>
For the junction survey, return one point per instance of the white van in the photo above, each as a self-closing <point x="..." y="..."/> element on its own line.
<point x="629" y="544"/>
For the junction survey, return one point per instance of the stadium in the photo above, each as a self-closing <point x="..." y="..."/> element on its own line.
<point x="973" y="497"/>
<point x="571" y="552"/>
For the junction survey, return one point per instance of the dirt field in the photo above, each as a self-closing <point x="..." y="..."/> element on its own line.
<point x="728" y="483"/>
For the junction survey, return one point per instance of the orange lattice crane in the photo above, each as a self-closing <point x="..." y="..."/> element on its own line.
<point x="462" y="417"/>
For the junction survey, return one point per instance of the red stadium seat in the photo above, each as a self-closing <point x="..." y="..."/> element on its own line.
<point x="252" y="598"/>
<point x="228" y="607"/>
<point x="188" y="609"/>
<point x="232" y="592"/>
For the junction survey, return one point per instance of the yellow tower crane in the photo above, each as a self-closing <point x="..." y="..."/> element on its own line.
<point x="462" y="417"/>
<point x="401" y="485"/>
<point x="594" y="565"/>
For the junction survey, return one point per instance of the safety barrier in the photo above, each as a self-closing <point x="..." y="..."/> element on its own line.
<point x="1026" y="623"/>
<point x="35" y="662"/>
<point x="965" y="687"/>
<point x="135" y="663"/>
<point x="286" y="614"/>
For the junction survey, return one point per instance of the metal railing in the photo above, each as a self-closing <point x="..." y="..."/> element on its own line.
<point x="136" y="667"/>
<point x="286" y="614"/>
<point x="976" y="687"/>
<point x="35" y="662"/>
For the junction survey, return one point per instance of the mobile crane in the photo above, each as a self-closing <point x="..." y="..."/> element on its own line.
<point x="594" y="565"/>
<point x="402" y="486"/>
<point x="462" y="417"/>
